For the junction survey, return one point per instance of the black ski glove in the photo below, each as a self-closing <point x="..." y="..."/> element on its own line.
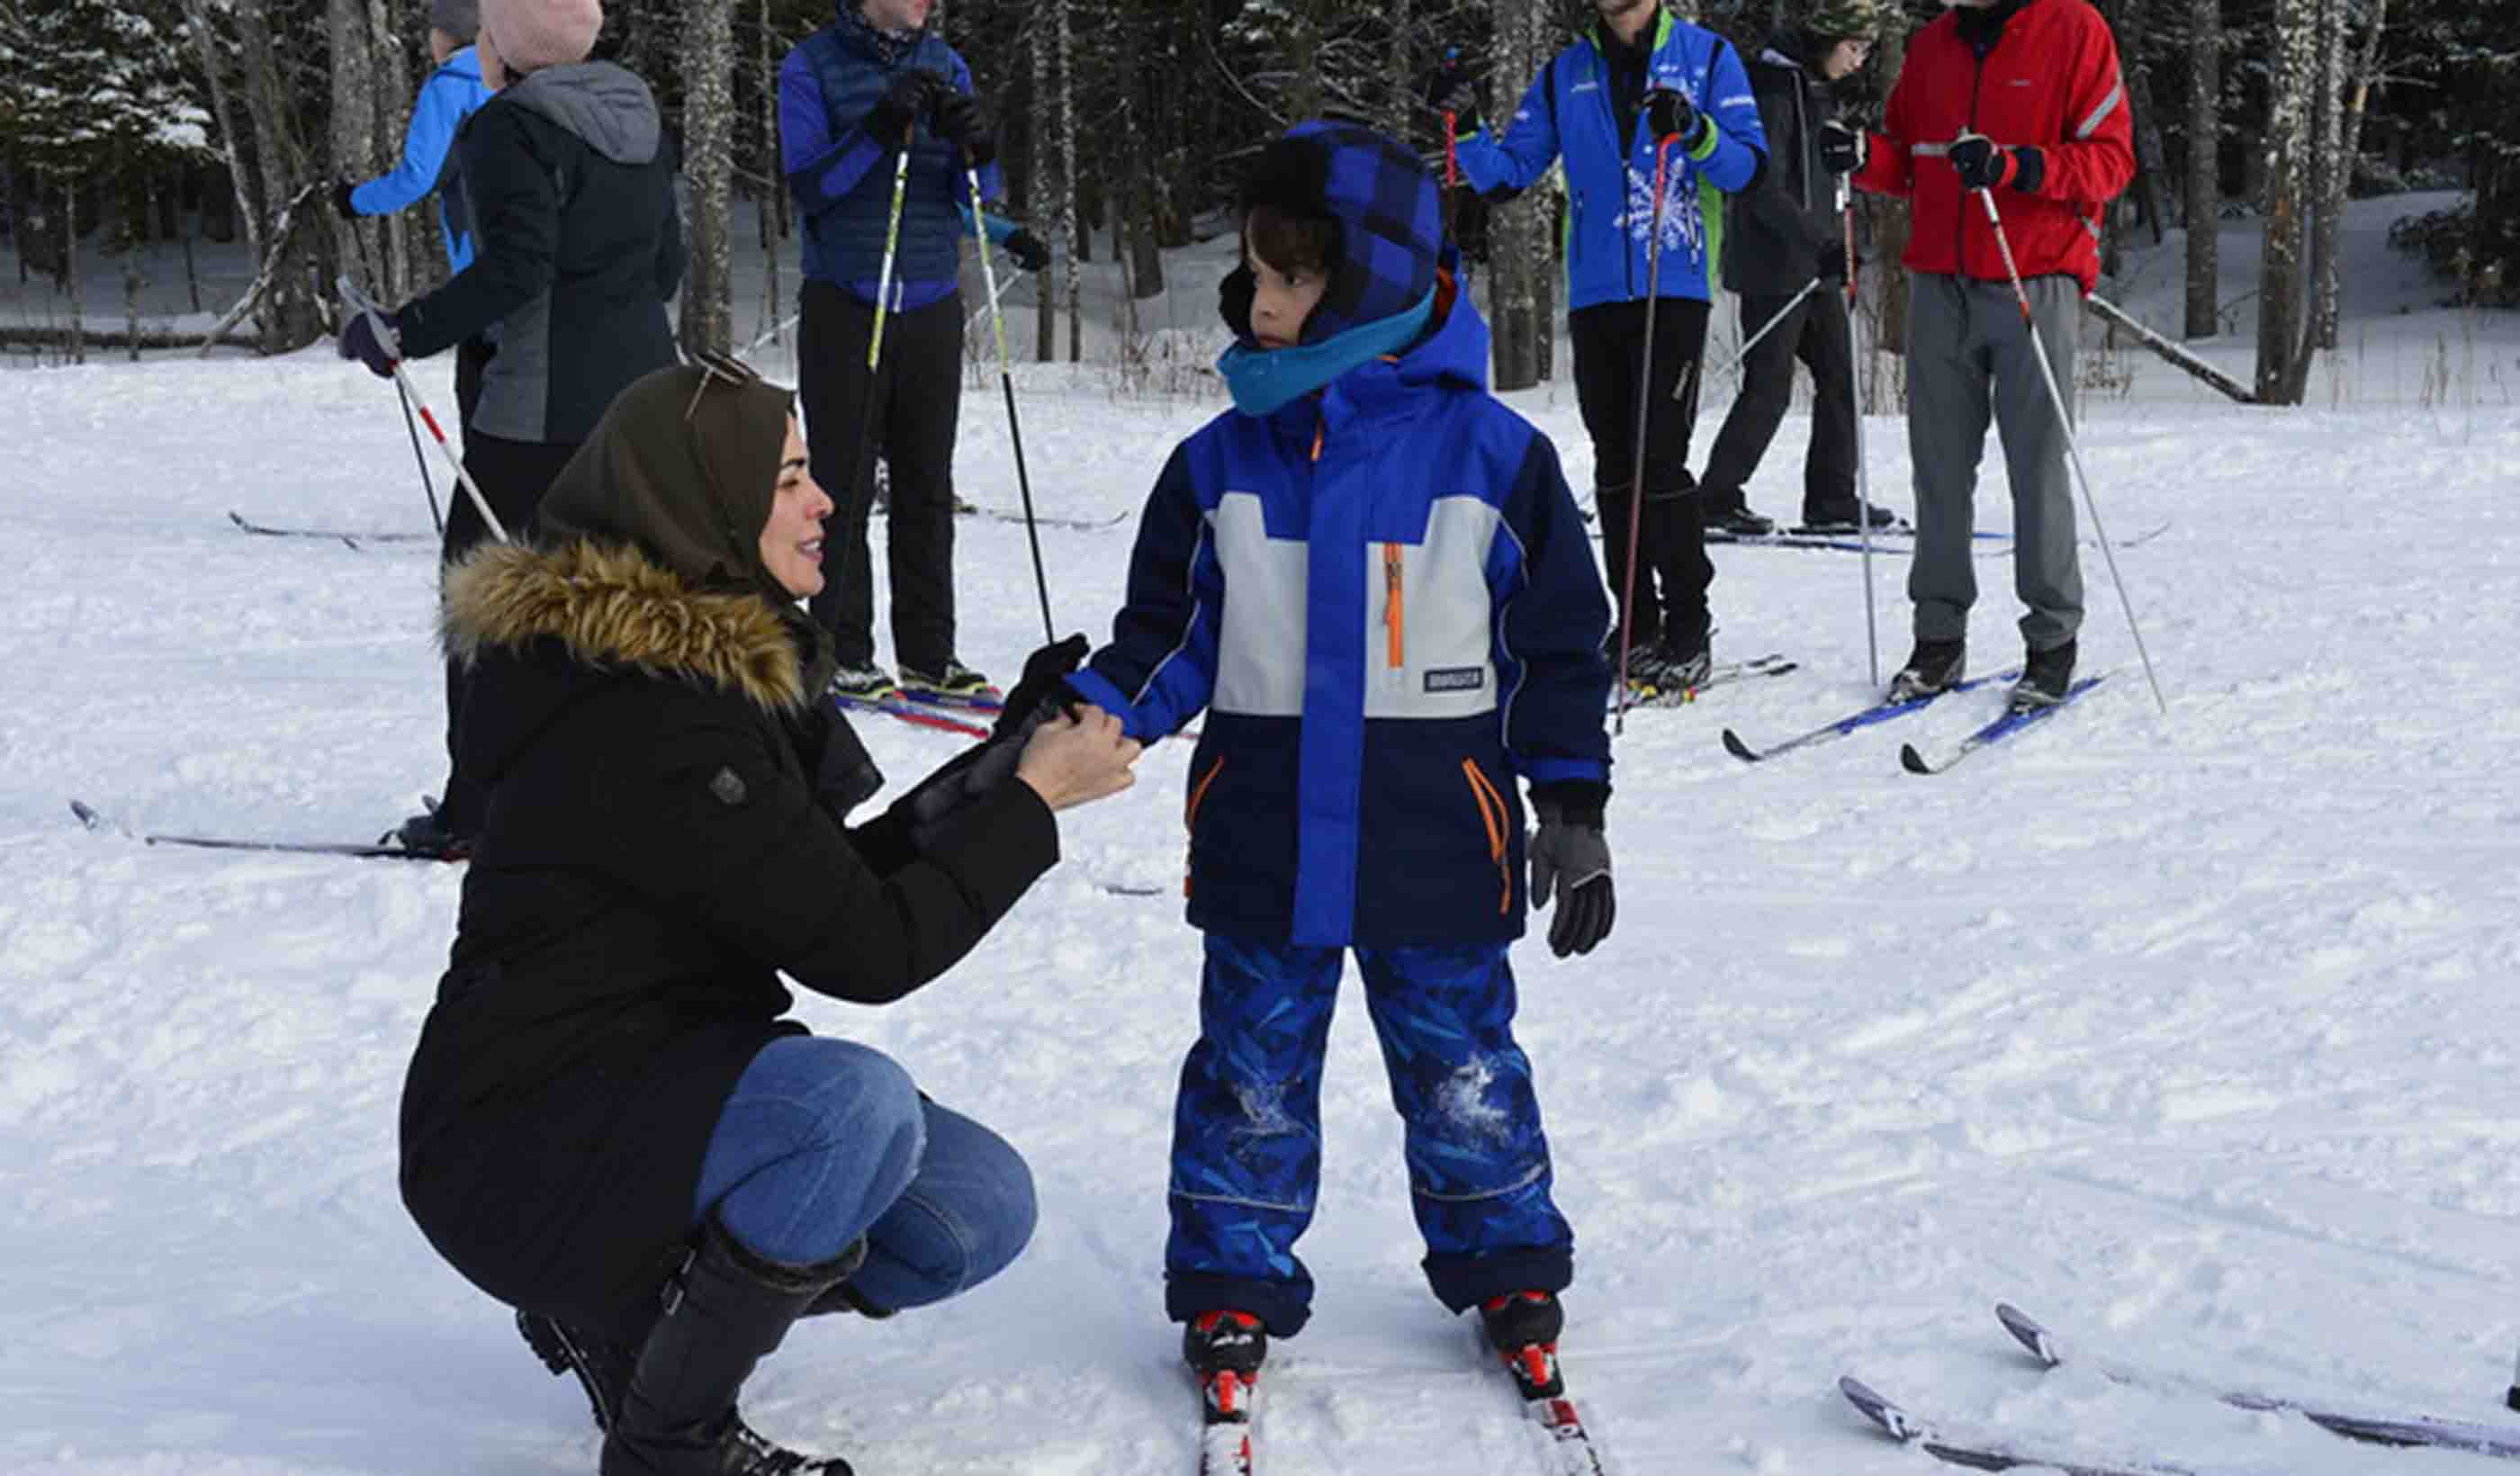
<point x="962" y="122"/>
<point x="956" y="787"/>
<point x="907" y="100"/>
<point x="1832" y="262"/>
<point x="1029" y="251"/>
<point x="1841" y="149"/>
<point x="1454" y="91"/>
<point x="342" y="205"/>
<point x="1984" y="165"/>
<point x="359" y="341"/>
<point x="1570" y="866"/>
<point x="1669" y="114"/>
<point x="1041" y="692"/>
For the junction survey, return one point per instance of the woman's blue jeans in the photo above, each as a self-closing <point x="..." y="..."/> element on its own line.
<point x="823" y="1141"/>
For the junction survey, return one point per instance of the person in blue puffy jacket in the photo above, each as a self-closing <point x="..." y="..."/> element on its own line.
<point x="431" y="164"/>
<point x="1371" y="578"/>
<point x="1604" y="106"/>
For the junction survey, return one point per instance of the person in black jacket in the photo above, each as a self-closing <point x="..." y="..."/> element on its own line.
<point x="1787" y="233"/>
<point x="609" y="1123"/>
<point x="571" y="185"/>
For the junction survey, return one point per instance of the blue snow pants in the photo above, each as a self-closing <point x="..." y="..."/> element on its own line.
<point x="1248" y="1132"/>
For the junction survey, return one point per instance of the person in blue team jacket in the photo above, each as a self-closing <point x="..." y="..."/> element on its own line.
<point x="852" y="96"/>
<point x="432" y="165"/>
<point x="1603" y="104"/>
<point x="1371" y="577"/>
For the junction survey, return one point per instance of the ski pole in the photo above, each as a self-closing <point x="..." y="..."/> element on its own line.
<point x="891" y="245"/>
<point x="1769" y="326"/>
<point x="361" y="302"/>
<point x="1644" y="406"/>
<point x="1863" y="473"/>
<point x="428" y="488"/>
<point x="1015" y="426"/>
<point x="2073" y="452"/>
<point x="864" y="470"/>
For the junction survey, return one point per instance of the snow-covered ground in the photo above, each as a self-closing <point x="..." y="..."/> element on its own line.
<point x="2194" y="1033"/>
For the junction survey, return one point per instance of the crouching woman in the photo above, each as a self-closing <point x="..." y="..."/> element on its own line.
<point x="609" y="1123"/>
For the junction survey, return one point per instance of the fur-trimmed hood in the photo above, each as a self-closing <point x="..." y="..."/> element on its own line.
<point x="613" y="607"/>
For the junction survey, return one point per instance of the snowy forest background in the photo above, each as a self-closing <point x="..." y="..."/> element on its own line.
<point x="133" y="124"/>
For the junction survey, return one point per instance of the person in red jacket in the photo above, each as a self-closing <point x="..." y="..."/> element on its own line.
<point x="2020" y="103"/>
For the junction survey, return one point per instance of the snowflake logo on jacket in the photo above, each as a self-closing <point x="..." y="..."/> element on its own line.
<point x="1683" y="224"/>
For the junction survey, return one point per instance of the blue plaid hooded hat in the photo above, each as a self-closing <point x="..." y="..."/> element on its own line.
<point x="1390" y="219"/>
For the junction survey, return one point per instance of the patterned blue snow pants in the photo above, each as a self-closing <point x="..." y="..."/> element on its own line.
<point x="1246" y="1127"/>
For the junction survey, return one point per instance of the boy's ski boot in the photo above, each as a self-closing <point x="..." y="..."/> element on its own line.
<point x="1522" y="1326"/>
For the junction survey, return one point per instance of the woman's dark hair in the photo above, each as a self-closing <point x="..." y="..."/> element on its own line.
<point x="1292" y="243"/>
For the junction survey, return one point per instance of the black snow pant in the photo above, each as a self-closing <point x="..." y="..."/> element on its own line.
<point x="917" y="390"/>
<point x="1814" y="330"/>
<point x="512" y="475"/>
<point x="1672" y="570"/>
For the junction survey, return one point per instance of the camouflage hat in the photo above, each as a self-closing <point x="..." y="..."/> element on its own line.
<point x="1838" y="18"/>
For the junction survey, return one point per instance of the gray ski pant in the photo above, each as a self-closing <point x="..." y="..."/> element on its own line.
<point x="1969" y="360"/>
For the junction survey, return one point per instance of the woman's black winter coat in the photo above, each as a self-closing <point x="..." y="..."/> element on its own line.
<point x="656" y="854"/>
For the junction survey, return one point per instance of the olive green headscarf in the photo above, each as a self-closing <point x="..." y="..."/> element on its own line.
<point x="685" y="465"/>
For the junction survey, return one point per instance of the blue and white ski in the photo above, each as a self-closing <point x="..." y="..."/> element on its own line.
<point x="2375" y="1428"/>
<point x="2002" y="727"/>
<point x="1987" y="1450"/>
<point x="1878" y="712"/>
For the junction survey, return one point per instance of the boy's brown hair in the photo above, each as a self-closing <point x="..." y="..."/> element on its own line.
<point x="1292" y="243"/>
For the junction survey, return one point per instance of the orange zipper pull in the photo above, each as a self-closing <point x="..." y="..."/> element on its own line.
<point x="1394" y="617"/>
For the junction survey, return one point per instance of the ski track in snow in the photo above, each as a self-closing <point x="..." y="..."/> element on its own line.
<point x="2191" y="1034"/>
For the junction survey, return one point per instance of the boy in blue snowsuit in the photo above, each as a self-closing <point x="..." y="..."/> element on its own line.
<point x="1370" y="575"/>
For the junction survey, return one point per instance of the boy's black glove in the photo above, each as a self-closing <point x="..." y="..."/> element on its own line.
<point x="1570" y="866"/>
<point x="1670" y="116"/>
<point x="907" y="101"/>
<point x="962" y="120"/>
<point x="1841" y="149"/>
<point x="342" y="205"/>
<point x="1041" y="692"/>
<point x="1029" y="251"/>
<point x="1832" y="262"/>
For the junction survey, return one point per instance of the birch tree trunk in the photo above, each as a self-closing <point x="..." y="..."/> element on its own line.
<point x="2204" y="166"/>
<point x="398" y="235"/>
<point x="353" y="136"/>
<point x="1515" y="250"/>
<point x="1064" y="19"/>
<point x="2294" y="60"/>
<point x="1049" y="179"/>
<point x="291" y="314"/>
<point x="708" y="168"/>
<point x="2151" y="167"/>
<point x="2332" y="176"/>
<point x="197" y="20"/>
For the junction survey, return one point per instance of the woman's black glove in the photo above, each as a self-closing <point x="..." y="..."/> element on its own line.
<point x="1040" y="695"/>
